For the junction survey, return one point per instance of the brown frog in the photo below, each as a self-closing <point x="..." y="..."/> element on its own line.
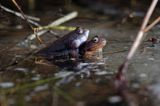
<point x="92" y="48"/>
<point x="73" y="45"/>
<point x="88" y="51"/>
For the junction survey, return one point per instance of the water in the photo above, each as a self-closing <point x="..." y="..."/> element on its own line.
<point x="25" y="82"/>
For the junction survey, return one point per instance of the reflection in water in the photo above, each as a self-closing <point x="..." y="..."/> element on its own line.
<point x="72" y="69"/>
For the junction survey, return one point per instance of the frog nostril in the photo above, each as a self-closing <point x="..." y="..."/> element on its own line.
<point x="104" y="41"/>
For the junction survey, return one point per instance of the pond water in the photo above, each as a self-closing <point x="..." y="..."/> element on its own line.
<point x="23" y="81"/>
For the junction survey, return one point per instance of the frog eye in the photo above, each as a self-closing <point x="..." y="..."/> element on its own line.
<point x="79" y="30"/>
<point x="95" y="39"/>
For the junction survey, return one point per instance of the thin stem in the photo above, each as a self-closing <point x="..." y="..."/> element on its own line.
<point x="15" y="3"/>
<point x="54" y="23"/>
<point x="139" y="37"/>
<point x="18" y="14"/>
<point x="152" y="24"/>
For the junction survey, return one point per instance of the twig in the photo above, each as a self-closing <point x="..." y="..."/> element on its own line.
<point x="152" y="24"/>
<point x="59" y="21"/>
<point x="38" y="38"/>
<point x="140" y="35"/>
<point x="120" y="81"/>
<point x="25" y="18"/>
<point x="30" y="18"/>
<point x="18" y="14"/>
<point x="48" y="27"/>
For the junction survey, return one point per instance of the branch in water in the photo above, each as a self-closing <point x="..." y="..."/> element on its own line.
<point x="31" y="19"/>
<point x="139" y="37"/>
<point x="120" y="81"/>
<point x="152" y="24"/>
<point x="59" y="21"/>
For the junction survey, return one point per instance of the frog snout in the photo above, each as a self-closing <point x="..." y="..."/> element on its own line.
<point x="104" y="42"/>
<point x="86" y="32"/>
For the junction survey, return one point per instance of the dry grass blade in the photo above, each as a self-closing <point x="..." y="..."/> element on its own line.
<point x="18" y="14"/>
<point x="120" y="82"/>
<point x="31" y="19"/>
<point x="54" y="23"/>
<point x="152" y="24"/>
<point x="27" y="20"/>
<point x="139" y="37"/>
<point x="15" y="3"/>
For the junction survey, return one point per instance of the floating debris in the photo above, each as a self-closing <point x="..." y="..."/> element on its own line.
<point x="33" y="46"/>
<point x="36" y="78"/>
<point x="21" y="69"/>
<point x="6" y="84"/>
<point x="78" y="84"/>
<point x="41" y="88"/>
<point x="155" y="92"/>
<point x="115" y="99"/>
<point x="27" y="98"/>
<point x="143" y="75"/>
<point x="145" y="64"/>
<point x="152" y="59"/>
<point x="19" y="27"/>
<point x="63" y="74"/>
<point x="136" y="85"/>
<point x="103" y="73"/>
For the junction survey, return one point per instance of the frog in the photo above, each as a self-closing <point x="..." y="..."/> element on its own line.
<point x="86" y="53"/>
<point x="92" y="48"/>
<point x="68" y="45"/>
<point x="74" y="45"/>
